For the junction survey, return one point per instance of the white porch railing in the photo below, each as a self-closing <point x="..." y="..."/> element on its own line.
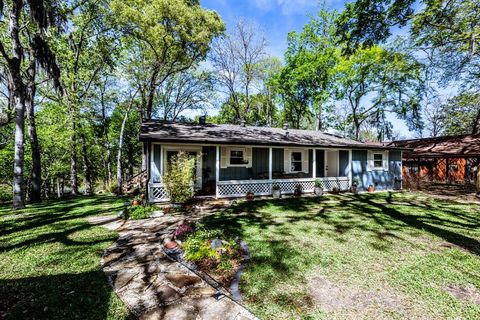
<point x="239" y="188"/>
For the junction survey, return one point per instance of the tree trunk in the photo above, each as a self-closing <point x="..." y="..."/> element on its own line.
<point x="119" y="155"/>
<point x="18" y="179"/>
<point x="86" y="166"/>
<point x="36" y="174"/>
<point x="73" y="156"/>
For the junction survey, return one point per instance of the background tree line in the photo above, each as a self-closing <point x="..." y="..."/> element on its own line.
<point x="78" y="78"/>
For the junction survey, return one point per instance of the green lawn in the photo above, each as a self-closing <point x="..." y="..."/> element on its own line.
<point x="382" y="255"/>
<point x="50" y="261"/>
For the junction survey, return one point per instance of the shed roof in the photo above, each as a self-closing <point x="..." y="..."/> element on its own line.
<point x="446" y="146"/>
<point x="156" y="130"/>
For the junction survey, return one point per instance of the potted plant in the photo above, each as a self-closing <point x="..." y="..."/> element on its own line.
<point x="136" y="202"/>
<point x="276" y="191"/>
<point x="354" y="187"/>
<point x="335" y="190"/>
<point x="371" y="188"/>
<point x="297" y="192"/>
<point x="318" y="187"/>
<point x="250" y="195"/>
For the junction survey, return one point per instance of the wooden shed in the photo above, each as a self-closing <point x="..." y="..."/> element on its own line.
<point x="447" y="159"/>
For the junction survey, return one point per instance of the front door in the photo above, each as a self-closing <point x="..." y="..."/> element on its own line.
<point x="331" y="165"/>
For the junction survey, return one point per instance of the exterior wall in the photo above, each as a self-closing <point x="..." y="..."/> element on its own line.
<point x="259" y="169"/>
<point x="277" y="160"/>
<point x="320" y="163"/>
<point x="380" y="179"/>
<point x="343" y="163"/>
<point x="208" y="165"/>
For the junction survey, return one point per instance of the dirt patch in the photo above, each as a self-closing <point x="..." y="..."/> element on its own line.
<point x="467" y="293"/>
<point x="333" y="297"/>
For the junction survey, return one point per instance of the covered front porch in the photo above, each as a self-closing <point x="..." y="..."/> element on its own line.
<point x="224" y="171"/>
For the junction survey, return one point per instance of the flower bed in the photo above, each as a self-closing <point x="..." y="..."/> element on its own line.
<point x="211" y="251"/>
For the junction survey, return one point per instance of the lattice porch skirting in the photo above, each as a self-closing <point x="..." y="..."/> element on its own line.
<point x="239" y="188"/>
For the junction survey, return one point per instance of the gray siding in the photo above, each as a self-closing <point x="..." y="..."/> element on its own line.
<point x="343" y="163"/>
<point x="382" y="180"/>
<point x="320" y="160"/>
<point x="259" y="167"/>
<point x="277" y="155"/>
<point x="208" y="164"/>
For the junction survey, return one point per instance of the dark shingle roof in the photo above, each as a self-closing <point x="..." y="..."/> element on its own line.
<point x="249" y="135"/>
<point x="446" y="146"/>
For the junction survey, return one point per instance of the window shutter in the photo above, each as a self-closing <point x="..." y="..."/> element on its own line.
<point x="370" y="160"/>
<point x="286" y="161"/>
<point x="305" y="161"/>
<point x="385" y="160"/>
<point x="248" y="156"/>
<point x="223" y="157"/>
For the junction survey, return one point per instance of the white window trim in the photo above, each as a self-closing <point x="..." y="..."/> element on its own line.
<point x="382" y="154"/>
<point x="244" y="151"/>
<point x="371" y="160"/>
<point x="301" y="161"/>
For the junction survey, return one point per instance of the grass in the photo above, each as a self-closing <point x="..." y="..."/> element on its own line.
<point x="382" y="255"/>
<point x="50" y="261"/>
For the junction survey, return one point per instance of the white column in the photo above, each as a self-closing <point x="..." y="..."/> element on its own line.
<point x="350" y="167"/>
<point x="270" y="163"/>
<point x="161" y="163"/>
<point x="217" y="169"/>
<point x="314" y="164"/>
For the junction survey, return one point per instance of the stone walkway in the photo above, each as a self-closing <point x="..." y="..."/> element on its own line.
<point x="153" y="285"/>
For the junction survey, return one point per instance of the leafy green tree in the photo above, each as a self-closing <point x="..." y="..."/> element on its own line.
<point x="306" y="81"/>
<point x="26" y="33"/>
<point x="364" y="23"/>
<point x="374" y="81"/>
<point x="461" y="114"/>
<point x="164" y="37"/>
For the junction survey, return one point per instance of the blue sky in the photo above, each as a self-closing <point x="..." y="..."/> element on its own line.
<point x="276" y="18"/>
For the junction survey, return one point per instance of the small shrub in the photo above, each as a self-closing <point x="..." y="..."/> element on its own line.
<point x="196" y="249"/>
<point x="179" y="177"/>
<point x="113" y="187"/>
<point x="138" y="212"/>
<point x="319" y="183"/>
<point x="5" y="193"/>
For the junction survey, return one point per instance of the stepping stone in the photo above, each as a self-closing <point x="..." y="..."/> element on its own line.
<point x="166" y="294"/>
<point x="182" y="280"/>
<point x="123" y="278"/>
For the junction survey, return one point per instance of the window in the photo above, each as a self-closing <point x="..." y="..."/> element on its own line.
<point x="237" y="157"/>
<point x="296" y="162"/>
<point x="378" y="161"/>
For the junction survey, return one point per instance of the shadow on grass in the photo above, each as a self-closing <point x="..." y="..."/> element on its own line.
<point x="56" y="218"/>
<point x="63" y="296"/>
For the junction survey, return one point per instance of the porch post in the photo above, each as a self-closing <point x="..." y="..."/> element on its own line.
<point x="314" y="164"/>
<point x="217" y="169"/>
<point x="270" y="164"/>
<point x="350" y="167"/>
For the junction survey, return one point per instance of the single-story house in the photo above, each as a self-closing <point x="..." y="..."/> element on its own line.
<point x="236" y="159"/>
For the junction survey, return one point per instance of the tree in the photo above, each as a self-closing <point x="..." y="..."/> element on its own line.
<point x="191" y="90"/>
<point x="364" y="23"/>
<point x="164" y="37"/>
<point x="434" y="117"/>
<point x="14" y="45"/>
<point x="306" y="80"/>
<point x="375" y="81"/>
<point x="236" y="61"/>
<point x="461" y="114"/>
